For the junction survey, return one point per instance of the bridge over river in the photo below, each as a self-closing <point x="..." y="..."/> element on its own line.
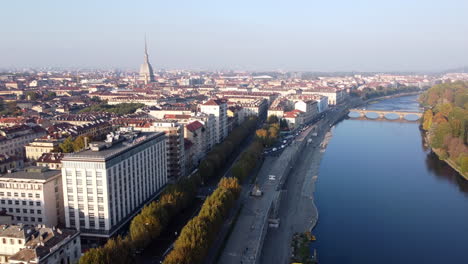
<point x="402" y="115"/>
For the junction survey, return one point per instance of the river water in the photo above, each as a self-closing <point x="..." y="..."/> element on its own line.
<point x="383" y="198"/>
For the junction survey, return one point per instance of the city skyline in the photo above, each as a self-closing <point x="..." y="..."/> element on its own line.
<point x="361" y="36"/>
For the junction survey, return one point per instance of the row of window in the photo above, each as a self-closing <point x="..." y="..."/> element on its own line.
<point x="23" y="195"/>
<point x="25" y="211"/>
<point x="81" y="214"/>
<point x="29" y="219"/>
<point x="71" y="198"/>
<point x="12" y="241"/>
<point x="79" y="174"/>
<point x="88" y="190"/>
<point x="92" y="224"/>
<point x="17" y="202"/>
<point x="81" y="207"/>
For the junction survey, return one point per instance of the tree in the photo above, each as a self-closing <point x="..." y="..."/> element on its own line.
<point x="96" y="99"/>
<point x="441" y="131"/>
<point x="445" y="109"/>
<point x="93" y="256"/>
<point x="33" y="96"/>
<point x="283" y="124"/>
<point x="262" y="133"/>
<point x="67" y="145"/>
<point x="231" y="184"/>
<point x="79" y="143"/>
<point x="117" y="251"/>
<point x="9" y="108"/>
<point x="439" y="118"/>
<point x="50" y="95"/>
<point x="272" y="119"/>
<point x="427" y="119"/>
<point x="464" y="164"/>
<point x="449" y="129"/>
<point x="238" y="170"/>
<point x="273" y="132"/>
<point x="195" y="239"/>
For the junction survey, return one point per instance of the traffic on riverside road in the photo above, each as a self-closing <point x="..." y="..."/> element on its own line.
<point x="247" y="242"/>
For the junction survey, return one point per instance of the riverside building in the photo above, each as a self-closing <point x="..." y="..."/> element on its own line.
<point x="107" y="184"/>
<point x="218" y="108"/>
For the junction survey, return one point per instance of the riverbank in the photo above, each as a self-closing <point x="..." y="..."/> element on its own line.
<point x="449" y="162"/>
<point x="297" y="211"/>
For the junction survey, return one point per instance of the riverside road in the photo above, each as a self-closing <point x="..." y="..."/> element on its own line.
<point x="297" y="211"/>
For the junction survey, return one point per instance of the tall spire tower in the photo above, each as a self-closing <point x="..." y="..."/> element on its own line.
<point x="146" y="71"/>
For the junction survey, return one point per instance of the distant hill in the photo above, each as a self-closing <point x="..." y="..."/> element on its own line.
<point x="459" y="69"/>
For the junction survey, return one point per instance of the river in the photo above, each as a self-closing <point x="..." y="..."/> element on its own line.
<point x="383" y="198"/>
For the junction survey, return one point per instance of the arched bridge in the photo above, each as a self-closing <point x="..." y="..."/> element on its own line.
<point x="382" y="113"/>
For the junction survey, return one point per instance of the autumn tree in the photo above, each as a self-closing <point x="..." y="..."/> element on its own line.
<point x="427" y="119"/>
<point x="67" y="145"/>
<point x="197" y="236"/>
<point x="79" y="143"/>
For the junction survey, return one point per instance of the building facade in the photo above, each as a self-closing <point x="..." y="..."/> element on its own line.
<point x="35" y="149"/>
<point x="174" y="146"/>
<point x="13" y="139"/>
<point x="218" y="108"/>
<point x="195" y="133"/>
<point x="33" y="196"/>
<point x="335" y="96"/>
<point x="106" y="185"/>
<point x="308" y="107"/>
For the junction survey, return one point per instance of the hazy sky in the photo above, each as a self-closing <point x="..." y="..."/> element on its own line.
<point x="305" y="35"/>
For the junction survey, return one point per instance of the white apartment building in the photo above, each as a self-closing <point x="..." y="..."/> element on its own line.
<point x="277" y="111"/>
<point x="106" y="185"/>
<point x="322" y="103"/>
<point x="218" y="108"/>
<point x="335" y="96"/>
<point x="209" y="123"/>
<point x="256" y="108"/>
<point x="175" y="150"/>
<point x="308" y="107"/>
<point x="39" y="245"/>
<point x="33" y="196"/>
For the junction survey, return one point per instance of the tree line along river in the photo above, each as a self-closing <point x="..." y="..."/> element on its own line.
<point x="384" y="198"/>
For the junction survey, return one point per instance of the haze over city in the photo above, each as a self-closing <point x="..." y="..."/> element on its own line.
<point x="240" y="35"/>
<point x="234" y="132"/>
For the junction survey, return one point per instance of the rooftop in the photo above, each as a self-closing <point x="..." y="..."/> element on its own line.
<point x="32" y="173"/>
<point x="113" y="150"/>
<point x="41" y="240"/>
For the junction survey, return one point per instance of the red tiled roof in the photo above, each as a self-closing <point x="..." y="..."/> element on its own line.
<point x="293" y="113"/>
<point x="173" y="116"/>
<point x="194" y="126"/>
